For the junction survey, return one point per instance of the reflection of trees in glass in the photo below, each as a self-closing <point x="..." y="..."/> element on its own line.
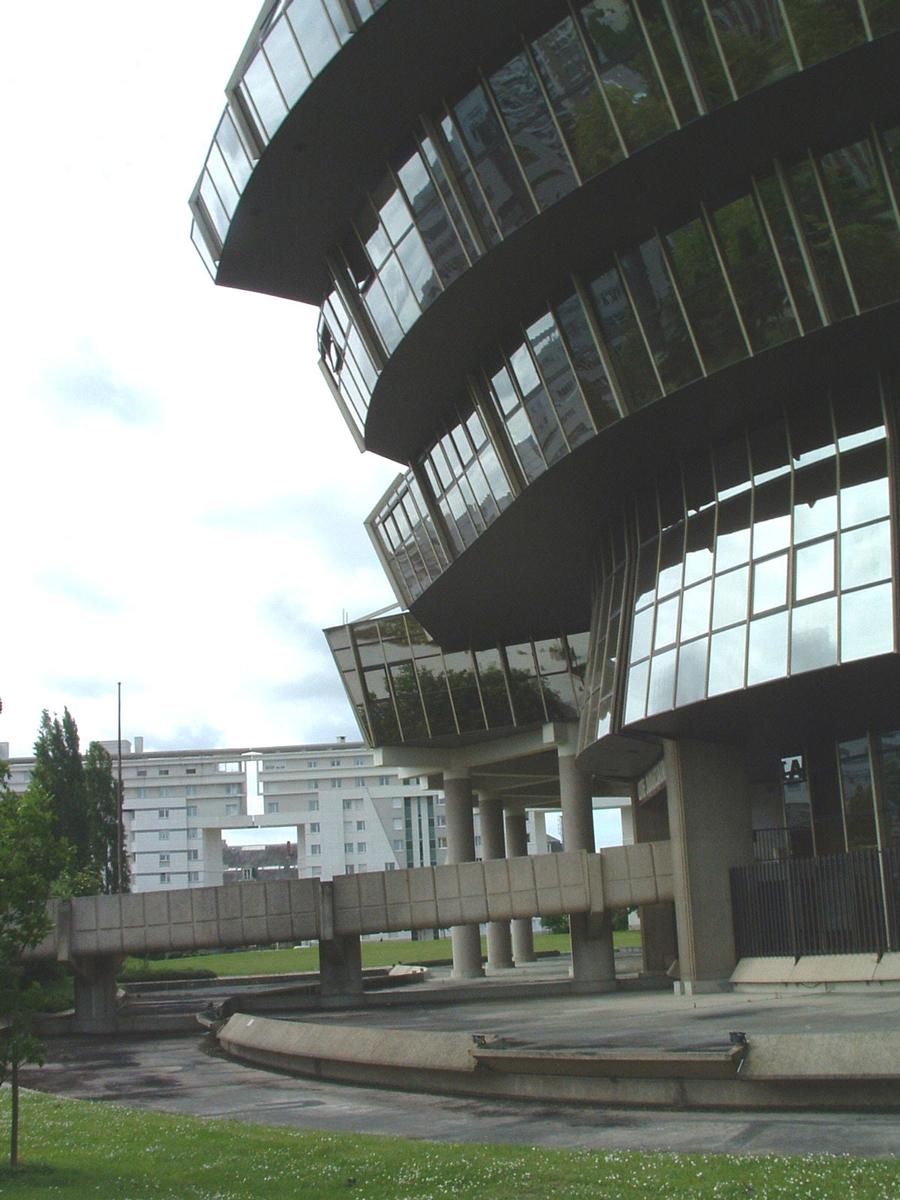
<point x="629" y="80"/>
<point x="822" y="28"/>
<point x="704" y="55"/>
<point x="891" y="794"/>
<point x="422" y="686"/>
<point x="594" y="143"/>
<point x="866" y="225"/>
<point x="760" y="292"/>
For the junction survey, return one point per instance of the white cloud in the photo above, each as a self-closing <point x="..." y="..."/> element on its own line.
<point x="182" y="503"/>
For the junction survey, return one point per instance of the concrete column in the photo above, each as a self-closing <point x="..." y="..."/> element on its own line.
<point x="516" y="825"/>
<point x="710" y="821"/>
<point x="461" y="848"/>
<point x="96" y="1009"/>
<point x="659" y="945"/>
<point x="493" y="845"/>
<point x="340" y="957"/>
<point x="340" y="970"/>
<point x="593" y="960"/>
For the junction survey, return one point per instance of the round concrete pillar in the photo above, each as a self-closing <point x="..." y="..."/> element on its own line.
<point x="517" y="847"/>
<point x="591" y="935"/>
<point x="466" y="939"/>
<point x="575" y="801"/>
<point x="493" y="845"/>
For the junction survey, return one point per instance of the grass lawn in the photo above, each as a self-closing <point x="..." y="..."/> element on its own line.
<point x="72" y="1149"/>
<point x="374" y="954"/>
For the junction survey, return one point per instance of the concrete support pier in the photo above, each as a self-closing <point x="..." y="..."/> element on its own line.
<point x="461" y="848"/>
<point x="659" y="946"/>
<point x="711" y="828"/>
<point x="340" y="969"/>
<point x="493" y="845"/>
<point x="96" y="1007"/>
<point x="593" y="959"/>
<point x="516" y="825"/>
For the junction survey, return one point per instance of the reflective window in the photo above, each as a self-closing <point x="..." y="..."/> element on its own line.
<point x="576" y="99"/>
<point x="817" y="232"/>
<point x="433" y="222"/>
<point x="661" y="318"/>
<point x="753" y="42"/>
<point x="493" y="161"/>
<point x="857" y="796"/>
<point x="534" y="137"/>
<point x="801" y="570"/>
<point x="705" y="296"/>
<point x="754" y="273"/>
<point x="466" y="480"/>
<point x="822" y="28"/>
<point x="700" y="42"/>
<point x="409" y="540"/>
<point x="623" y="338"/>
<point x="864" y="221"/>
<point x="627" y="73"/>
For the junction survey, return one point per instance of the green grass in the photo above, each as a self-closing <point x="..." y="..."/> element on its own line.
<point x="72" y="1149"/>
<point x="374" y="954"/>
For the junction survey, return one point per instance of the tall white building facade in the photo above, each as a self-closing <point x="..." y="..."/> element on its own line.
<point x="345" y="814"/>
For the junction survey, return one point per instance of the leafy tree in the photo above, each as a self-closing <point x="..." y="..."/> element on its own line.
<point x="102" y="805"/>
<point x="59" y="772"/>
<point x="84" y="802"/>
<point x="32" y="858"/>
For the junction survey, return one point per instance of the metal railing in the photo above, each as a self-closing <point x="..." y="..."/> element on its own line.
<point x="839" y="904"/>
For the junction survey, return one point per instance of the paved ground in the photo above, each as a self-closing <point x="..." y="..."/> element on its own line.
<point x="179" y="1074"/>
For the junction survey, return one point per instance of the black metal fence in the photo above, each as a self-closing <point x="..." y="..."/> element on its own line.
<point x="840" y="904"/>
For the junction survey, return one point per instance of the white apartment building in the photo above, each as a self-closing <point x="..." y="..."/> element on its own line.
<point x="345" y="814"/>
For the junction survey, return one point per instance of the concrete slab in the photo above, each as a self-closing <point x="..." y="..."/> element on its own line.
<point x="763" y="970"/>
<point x="888" y="970"/>
<point x="834" y="968"/>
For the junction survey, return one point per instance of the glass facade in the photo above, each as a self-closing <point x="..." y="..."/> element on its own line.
<point x="405" y="688"/>
<point x="295" y="41"/>
<point x="869" y="770"/>
<point x="766" y="557"/>
<point x="814" y="240"/>
<point x="604" y="80"/>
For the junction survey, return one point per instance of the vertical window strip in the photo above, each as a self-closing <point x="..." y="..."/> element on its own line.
<point x="589" y="55"/>
<point x="623" y="279"/>
<point x="829" y="216"/>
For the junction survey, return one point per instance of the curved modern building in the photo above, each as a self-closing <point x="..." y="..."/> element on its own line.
<point x="617" y="283"/>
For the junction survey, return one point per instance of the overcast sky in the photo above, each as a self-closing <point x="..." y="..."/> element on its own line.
<point x="182" y="503"/>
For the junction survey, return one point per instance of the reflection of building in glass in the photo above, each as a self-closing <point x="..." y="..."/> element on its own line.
<point x="617" y="283"/>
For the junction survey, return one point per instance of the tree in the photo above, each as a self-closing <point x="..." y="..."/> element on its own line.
<point x="32" y="859"/>
<point x="107" y="857"/>
<point x="84" y="802"/>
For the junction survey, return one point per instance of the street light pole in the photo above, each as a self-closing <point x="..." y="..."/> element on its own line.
<point x="120" y="833"/>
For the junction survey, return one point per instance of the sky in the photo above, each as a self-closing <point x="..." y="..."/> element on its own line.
<point x="183" y="505"/>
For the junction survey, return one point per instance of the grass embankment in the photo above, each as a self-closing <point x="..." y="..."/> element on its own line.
<point x="374" y="954"/>
<point x="75" y="1148"/>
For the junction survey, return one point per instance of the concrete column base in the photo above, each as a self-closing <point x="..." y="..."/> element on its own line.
<point x="340" y="968"/>
<point x="96" y="1005"/>
<point x="700" y="987"/>
<point x="522" y="940"/>
<point x="593" y="959"/>
<point x="499" y="946"/>
<point x="466" y="942"/>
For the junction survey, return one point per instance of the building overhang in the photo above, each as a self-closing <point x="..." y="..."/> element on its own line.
<point x="336" y="142"/>
<point x="765" y="722"/>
